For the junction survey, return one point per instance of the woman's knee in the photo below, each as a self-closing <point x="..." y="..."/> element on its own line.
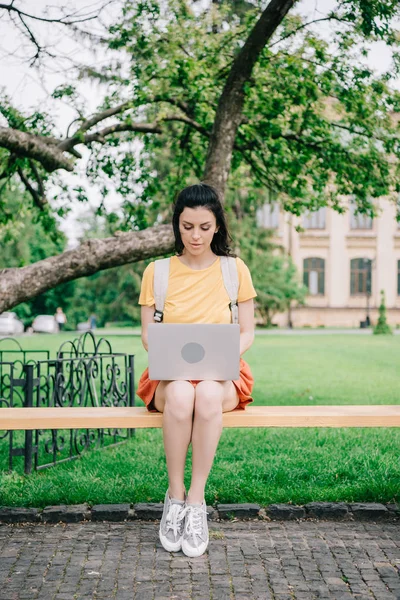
<point x="179" y="399"/>
<point x="209" y="396"/>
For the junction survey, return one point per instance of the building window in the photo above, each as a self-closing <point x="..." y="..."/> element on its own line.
<point x="359" y="221"/>
<point x="315" y="219"/>
<point x="314" y="276"/>
<point x="360" y="276"/>
<point x="268" y="215"/>
<point x="398" y="277"/>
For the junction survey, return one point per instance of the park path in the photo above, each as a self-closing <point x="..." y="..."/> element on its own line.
<point x="246" y="560"/>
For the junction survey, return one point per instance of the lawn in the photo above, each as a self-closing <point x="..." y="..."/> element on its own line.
<point x="251" y="465"/>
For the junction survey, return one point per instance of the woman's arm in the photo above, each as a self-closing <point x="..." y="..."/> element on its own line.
<point x="246" y="320"/>
<point x="147" y="316"/>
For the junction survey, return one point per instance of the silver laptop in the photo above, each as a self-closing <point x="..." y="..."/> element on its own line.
<point x="180" y="351"/>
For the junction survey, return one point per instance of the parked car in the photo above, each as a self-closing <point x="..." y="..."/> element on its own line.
<point x="45" y="324"/>
<point x="10" y="324"/>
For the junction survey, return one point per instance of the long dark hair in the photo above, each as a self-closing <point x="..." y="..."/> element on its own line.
<point x="202" y="194"/>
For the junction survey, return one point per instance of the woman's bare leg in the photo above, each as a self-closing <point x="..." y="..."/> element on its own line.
<point x="212" y="398"/>
<point x="175" y="399"/>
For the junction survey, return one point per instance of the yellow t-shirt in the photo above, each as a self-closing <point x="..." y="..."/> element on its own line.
<point x="196" y="296"/>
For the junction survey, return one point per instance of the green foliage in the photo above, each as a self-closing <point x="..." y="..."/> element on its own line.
<point x="112" y="295"/>
<point x="274" y="274"/>
<point x="372" y="17"/>
<point x="24" y="241"/>
<point x="382" y="326"/>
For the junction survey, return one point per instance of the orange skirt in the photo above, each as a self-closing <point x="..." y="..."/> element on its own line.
<point x="244" y="386"/>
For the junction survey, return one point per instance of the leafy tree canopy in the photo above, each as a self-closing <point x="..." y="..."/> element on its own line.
<point x="317" y="123"/>
<point x="244" y="89"/>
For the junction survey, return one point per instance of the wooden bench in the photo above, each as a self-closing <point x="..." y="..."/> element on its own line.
<point x="377" y="415"/>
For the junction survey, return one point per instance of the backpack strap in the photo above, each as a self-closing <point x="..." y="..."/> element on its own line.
<point x="161" y="276"/>
<point x="231" y="282"/>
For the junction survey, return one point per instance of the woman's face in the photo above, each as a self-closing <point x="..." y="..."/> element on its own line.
<point x="197" y="227"/>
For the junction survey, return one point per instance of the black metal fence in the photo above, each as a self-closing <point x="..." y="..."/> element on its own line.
<point x="85" y="372"/>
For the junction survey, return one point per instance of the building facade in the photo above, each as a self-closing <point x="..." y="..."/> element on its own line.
<point x="345" y="260"/>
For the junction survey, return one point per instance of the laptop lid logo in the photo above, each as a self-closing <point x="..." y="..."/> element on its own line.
<point x="193" y="352"/>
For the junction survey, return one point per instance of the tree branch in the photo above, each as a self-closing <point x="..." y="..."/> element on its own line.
<point x="10" y="167"/>
<point x="66" y="20"/>
<point x="110" y="112"/>
<point x="33" y="40"/>
<point x="42" y="149"/>
<point x="331" y="17"/>
<point x="100" y="136"/>
<point x="190" y="122"/>
<point x="179" y="103"/>
<point x="39" y="180"/>
<point x="354" y="131"/>
<point x="20" y="284"/>
<point x="49" y="151"/>
<point x="38" y="199"/>
<point x="105" y="114"/>
<point x="17" y="15"/>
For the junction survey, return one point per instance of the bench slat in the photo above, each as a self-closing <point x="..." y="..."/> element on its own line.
<point x="378" y="415"/>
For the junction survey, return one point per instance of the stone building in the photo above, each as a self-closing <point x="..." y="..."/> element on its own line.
<point x="344" y="260"/>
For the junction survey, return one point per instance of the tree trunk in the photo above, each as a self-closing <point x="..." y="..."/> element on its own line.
<point x="230" y="105"/>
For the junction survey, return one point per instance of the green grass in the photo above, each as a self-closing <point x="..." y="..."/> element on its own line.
<point x="251" y="465"/>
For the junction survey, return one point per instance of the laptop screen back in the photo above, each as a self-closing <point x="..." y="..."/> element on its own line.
<point x="180" y="351"/>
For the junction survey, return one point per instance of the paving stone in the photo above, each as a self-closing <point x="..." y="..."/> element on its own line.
<point x="368" y="510"/>
<point x="394" y="508"/>
<point x="148" y="510"/>
<point x="285" y="511"/>
<point x="52" y="514"/>
<point x="327" y="510"/>
<point x="76" y="513"/>
<point x="19" y="515"/>
<point x="110" y="512"/>
<point x="226" y="511"/>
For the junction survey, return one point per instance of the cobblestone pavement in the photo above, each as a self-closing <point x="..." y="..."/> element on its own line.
<point x="246" y="560"/>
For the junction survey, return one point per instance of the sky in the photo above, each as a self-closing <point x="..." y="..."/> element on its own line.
<point x="29" y="89"/>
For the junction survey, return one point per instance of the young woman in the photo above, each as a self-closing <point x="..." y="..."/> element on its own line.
<point x="192" y="410"/>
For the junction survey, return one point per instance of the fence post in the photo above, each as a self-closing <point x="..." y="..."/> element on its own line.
<point x="131" y="384"/>
<point x="59" y="372"/>
<point x="28" y="403"/>
<point x="131" y="371"/>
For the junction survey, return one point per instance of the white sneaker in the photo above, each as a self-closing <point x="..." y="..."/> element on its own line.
<point x="195" y="533"/>
<point x="172" y="523"/>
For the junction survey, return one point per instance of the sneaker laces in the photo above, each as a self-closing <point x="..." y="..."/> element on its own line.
<point x="193" y="524"/>
<point x="174" y="518"/>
